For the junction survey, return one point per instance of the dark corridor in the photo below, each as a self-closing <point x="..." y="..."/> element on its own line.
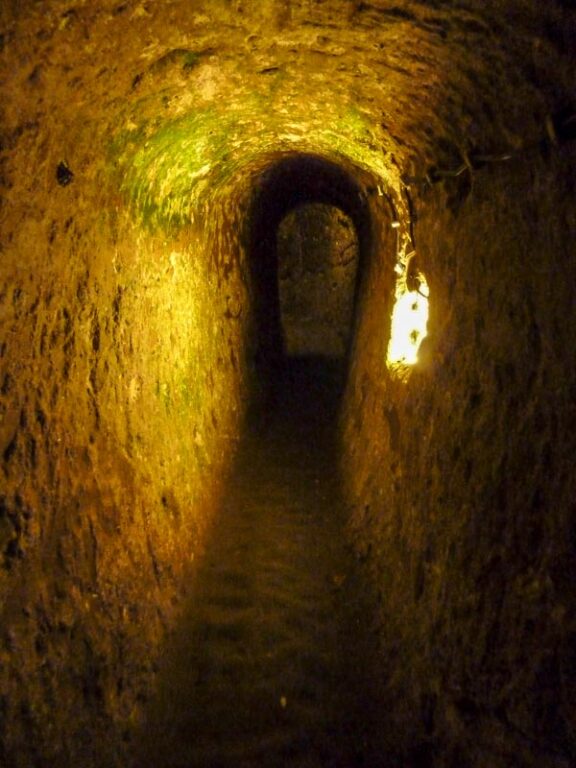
<point x="274" y="663"/>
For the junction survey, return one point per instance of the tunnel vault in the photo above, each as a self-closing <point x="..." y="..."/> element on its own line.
<point x="294" y="181"/>
<point x="148" y="151"/>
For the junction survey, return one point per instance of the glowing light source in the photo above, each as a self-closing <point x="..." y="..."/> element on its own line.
<point x="409" y="324"/>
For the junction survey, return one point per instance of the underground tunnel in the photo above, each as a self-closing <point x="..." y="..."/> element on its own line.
<point x="309" y="235"/>
<point x="287" y="383"/>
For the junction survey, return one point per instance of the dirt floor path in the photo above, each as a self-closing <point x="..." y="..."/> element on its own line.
<point x="273" y="666"/>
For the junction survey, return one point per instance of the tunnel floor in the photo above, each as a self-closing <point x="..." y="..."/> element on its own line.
<point x="273" y="662"/>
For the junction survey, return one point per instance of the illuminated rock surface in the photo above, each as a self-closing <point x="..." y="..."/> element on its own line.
<point x="148" y="153"/>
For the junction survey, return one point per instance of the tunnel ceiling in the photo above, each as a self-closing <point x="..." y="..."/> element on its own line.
<point x="174" y="106"/>
<point x="299" y="179"/>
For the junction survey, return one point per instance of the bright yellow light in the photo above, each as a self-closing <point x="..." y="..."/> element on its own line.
<point x="409" y="324"/>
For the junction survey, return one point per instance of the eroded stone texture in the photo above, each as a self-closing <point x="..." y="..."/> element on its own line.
<point x="135" y="138"/>
<point x="463" y="497"/>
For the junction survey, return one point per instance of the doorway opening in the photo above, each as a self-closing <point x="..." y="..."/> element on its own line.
<point x="317" y="248"/>
<point x="310" y="239"/>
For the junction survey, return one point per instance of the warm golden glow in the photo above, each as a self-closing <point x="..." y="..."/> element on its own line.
<point x="409" y="324"/>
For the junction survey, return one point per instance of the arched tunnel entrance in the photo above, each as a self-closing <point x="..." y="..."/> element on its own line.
<point x="308" y="215"/>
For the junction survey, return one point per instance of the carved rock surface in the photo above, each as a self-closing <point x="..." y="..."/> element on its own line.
<point x="148" y="153"/>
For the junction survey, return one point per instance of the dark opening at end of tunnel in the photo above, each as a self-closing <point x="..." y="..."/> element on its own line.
<point x="309" y="223"/>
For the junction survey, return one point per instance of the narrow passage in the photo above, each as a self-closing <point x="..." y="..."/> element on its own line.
<point x="273" y="665"/>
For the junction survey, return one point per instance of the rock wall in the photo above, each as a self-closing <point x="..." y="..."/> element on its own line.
<point x="121" y="394"/>
<point x="148" y="152"/>
<point x="461" y="478"/>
